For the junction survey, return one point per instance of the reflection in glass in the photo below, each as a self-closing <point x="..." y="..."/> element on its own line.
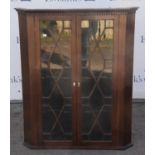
<point x="85" y="24"/>
<point x="56" y="79"/>
<point x="96" y="90"/>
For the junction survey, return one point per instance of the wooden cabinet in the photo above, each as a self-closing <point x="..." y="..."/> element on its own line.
<point x="77" y="77"/>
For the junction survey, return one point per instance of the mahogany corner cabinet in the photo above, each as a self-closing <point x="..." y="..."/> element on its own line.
<point x="77" y="77"/>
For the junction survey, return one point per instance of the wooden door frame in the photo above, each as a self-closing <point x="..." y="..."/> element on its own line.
<point x="76" y="76"/>
<point x="114" y="81"/>
<point x="65" y="143"/>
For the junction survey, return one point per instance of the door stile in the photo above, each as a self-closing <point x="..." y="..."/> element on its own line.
<point x="78" y="41"/>
<point x="74" y="79"/>
<point x="38" y="63"/>
<point x="115" y="122"/>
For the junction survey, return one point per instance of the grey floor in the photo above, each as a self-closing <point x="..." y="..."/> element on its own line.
<point x="17" y="147"/>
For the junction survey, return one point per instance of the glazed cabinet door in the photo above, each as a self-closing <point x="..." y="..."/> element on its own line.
<point x="57" y="78"/>
<point x="77" y="80"/>
<point x="96" y="79"/>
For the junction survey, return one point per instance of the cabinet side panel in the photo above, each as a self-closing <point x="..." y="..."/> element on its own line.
<point x="128" y="77"/>
<point x="34" y="79"/>
<point x="125" y="69"/>
<point x="25" y="76"/>
<point x="30" y="78"/>
<point x="121" y="77"/>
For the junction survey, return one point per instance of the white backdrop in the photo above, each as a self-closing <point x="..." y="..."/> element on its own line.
<point x="139" y="53"/>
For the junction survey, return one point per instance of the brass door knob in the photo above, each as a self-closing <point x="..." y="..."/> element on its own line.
<point x="74" y="84"/>
<point x="78" y="84"/>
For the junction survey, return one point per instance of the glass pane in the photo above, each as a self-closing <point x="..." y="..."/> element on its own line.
<point x="55" y="39"/>
<point x="96" y="84"/>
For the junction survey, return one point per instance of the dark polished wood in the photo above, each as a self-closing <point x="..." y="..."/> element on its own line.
<point x="122" y="69"/>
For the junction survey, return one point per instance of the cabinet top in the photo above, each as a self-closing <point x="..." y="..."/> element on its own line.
<point x="103" y="10"/>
